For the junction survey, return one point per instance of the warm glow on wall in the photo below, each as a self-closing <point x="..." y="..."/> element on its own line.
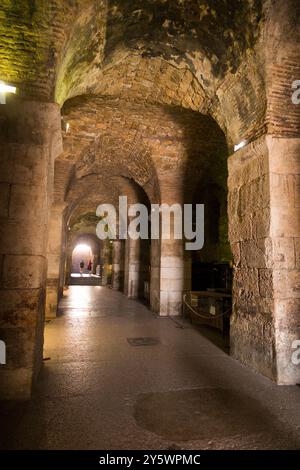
<point x="5" y="89"/>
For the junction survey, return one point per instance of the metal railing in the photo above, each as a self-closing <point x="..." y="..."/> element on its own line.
<point x="208" y="308"/>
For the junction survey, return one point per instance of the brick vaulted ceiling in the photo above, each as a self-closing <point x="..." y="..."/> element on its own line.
<point x="147" y="86"/>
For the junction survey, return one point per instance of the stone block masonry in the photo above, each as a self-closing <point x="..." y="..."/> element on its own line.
<point x="264" y="234"/>
<point x="30" y="139"/>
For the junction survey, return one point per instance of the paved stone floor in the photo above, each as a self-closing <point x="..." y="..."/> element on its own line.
<point x="78" y="280"/>
<point x="119" y="377"/>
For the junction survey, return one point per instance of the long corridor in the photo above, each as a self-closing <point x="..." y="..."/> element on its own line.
<point x="117" y="376"/>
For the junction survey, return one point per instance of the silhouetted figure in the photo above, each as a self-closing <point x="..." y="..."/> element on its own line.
<point x="81" y="267"/>
<point x="90" y="267"/>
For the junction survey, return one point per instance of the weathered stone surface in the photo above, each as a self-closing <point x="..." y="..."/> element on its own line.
<point x="18" y="307"/>
<point x="256" y="253"/>
<point x="268" y="254"/>
<point x="27" y="202"/>
<point x="31" y="131"/>
<point x="253" y="342"/>
<point x="285" y="223"/>
<point x="266" y="283"/>
<point x="283" y="253"/>
<point x="23" y="272"/>
<point x="288" y="330"/>
<point x="4" y="199"/>
<point x="286" y="283"/>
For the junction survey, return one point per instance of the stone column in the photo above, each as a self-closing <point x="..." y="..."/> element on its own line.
<point x="126" y="267"/>
<point x="105" y="262"/>
<point x="137" y="267"/>
<point x="68" y="265"/>
<point x="283" y="274"/>
<point x="175" y="276"/>
<point x="264" y="232"/>
<point x="175" y="263"/>
<point x="133" y="269"/>
<point x="55" y="257"/>
<point x="155" y="276"/>
<point x="118" y="265"/>
<point x="96" y="258"/>
<point x="30" y="139"/>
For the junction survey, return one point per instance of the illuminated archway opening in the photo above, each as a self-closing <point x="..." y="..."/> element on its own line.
<point x="82" y="256"/>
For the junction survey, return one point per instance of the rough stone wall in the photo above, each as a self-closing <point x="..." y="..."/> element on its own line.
<point x="30" y="140"/>
<point x="264" y="232"/>
<point x="252" y="323"/>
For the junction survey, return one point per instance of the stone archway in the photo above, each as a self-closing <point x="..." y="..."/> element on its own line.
<point x="237" y="69"/>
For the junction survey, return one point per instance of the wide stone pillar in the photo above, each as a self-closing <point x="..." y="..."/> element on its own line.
<point x="252" y="333"/>
<point x="118" y="265"/>
<point x="264" y="224"/>
<point x="284" y="158"/>
<point x="55" y="280"/>
<point x="137" y="268"/>
<point x="175" y="276"/>
<point x="30" y="139"/>
<point x="175" y="262"/>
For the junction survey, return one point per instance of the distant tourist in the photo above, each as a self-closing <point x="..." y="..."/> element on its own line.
<point x="89" y="268"/>
<point x="81" y="267"/>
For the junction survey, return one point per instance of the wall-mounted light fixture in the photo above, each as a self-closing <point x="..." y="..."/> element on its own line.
<point x="4" y="88"/>
<point x="65" y="126"/>
<point x="240" y="145"/>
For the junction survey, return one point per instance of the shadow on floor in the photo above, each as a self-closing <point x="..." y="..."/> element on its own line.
<point x="206" y="413"/>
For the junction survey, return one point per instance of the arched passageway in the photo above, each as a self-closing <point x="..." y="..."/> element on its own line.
<point x="176" y="105"/>
<point x="82" y="253"/>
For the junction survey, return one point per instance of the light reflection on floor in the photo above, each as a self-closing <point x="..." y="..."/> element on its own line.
<point x="84" y="275"/>
<point x="78" y="298"/>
